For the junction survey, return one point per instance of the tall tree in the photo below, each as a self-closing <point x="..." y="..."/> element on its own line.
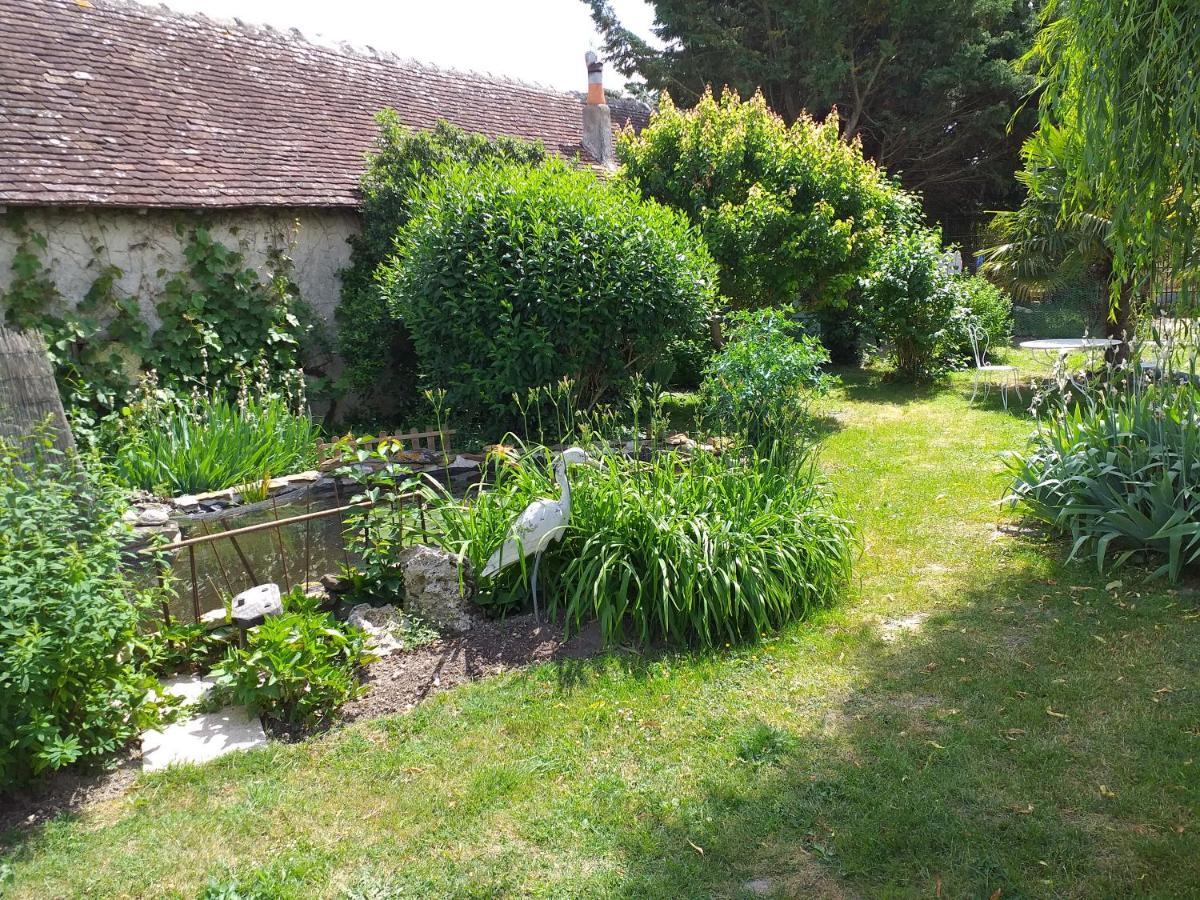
<point x="1038" y="249"/>
<point x="930" y="90"/>
<point x="1120" y="75"/>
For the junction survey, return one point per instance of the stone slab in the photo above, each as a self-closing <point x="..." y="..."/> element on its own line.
<point x="202" y="738"/>
<point x="188" y="688"/>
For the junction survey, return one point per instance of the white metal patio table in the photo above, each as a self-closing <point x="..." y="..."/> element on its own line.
<point x="1061" y="347"/>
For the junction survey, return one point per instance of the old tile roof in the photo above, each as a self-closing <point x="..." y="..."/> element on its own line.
<point x="111" y="102"/>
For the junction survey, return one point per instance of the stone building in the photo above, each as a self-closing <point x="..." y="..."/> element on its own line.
<point x="119" y="121"/>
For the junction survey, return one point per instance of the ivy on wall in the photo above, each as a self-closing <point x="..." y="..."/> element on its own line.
<point x="216" y="315"/>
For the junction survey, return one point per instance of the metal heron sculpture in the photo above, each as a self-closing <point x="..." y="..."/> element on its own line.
<point x="541" y="524"/>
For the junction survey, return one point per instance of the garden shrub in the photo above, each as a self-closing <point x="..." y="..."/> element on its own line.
<point x="792" y="214"/>
<point x="375" y="346"/>
<point x="986" y="306"/>
<point x="178" y="442"/>
<point x="699" y="550"/>
<point x="513" y="277"/>
<point x="761" y="382"/>
<point x="909" y="304"/>
<point x="298" y="667"/>
<point x="1118" y="469"/>
<point x="72" y="686"/>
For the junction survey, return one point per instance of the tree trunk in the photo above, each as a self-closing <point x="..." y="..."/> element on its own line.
<point x="29" y="397"/>
<point x="1118" y="325"/>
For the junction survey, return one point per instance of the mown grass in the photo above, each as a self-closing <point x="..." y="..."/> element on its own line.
<point x="977" y="717"/>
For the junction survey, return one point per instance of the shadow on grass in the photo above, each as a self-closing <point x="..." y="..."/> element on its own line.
<point x="967" y="759"/>
<point x="869" y="386"/>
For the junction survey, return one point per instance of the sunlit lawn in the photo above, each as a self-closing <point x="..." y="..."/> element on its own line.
<point x="976" y="718"/>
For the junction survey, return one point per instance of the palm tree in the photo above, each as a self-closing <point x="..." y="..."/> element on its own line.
<point x="1038" y="248"/>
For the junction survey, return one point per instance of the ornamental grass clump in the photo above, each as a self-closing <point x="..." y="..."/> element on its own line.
<point x="698" y="550"/>
<point x="177" y="442"/>
<point x="1118" y="469"/>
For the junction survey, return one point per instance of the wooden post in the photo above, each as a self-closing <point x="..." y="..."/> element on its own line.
<point x="28" y="393"/>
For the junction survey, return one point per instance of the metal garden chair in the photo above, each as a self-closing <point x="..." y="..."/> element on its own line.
<point x="1004" y="377"/>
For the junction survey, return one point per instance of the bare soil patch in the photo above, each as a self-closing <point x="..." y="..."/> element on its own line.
<point x="397" y="683"/>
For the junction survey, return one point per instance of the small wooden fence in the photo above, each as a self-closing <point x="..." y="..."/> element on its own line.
<point x="214" y="538"/>
<point x="431" y="439"/>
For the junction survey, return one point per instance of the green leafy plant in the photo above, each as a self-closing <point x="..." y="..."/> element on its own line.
<point x="73" y="686"/>
<point x="792" y="213"/>
<point x="375" y="535"/>
<point x="513" y="277"/>
<point x="298" y="667"/>
<point x="188" y="442"/>
<point x="762" y="382"/>
<point x="909" y="304"/>
<point x="989" y="308"/>
<point x="375" y="346"/>
<point x="698" y="550"/>
<point x="1118" y="468"/>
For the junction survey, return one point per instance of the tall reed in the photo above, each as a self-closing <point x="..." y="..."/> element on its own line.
<point x="202" y="440"/>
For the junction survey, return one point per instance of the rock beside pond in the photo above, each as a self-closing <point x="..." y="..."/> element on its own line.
<point x="334" y="584"/>
<point x="383" y="625"/>
<point x="153" y="514"/>
<point x="434" y="590"/>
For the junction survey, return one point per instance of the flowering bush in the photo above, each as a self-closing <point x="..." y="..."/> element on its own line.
<point x="791" y="213"/>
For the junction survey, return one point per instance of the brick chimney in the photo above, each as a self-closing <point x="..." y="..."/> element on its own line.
<point x="597" y="120"/>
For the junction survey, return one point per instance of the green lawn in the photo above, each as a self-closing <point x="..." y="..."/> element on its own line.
<point x="977" y="720"/>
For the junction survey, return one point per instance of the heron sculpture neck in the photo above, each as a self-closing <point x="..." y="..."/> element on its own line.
<point x="564" y="486"/>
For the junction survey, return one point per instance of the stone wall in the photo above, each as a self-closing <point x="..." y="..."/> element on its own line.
<point x="147" y="247"/>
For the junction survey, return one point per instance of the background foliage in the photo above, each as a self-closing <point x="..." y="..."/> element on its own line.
<point x="928" y="87"/>
<point x="1120" y="79"/>
<point x="513" y="277"/>
<point x="792" y="214"/>
<point x="909" y="303"/>
<point x="380" y="365"/>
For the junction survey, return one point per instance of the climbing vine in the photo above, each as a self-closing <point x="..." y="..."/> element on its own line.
<point x="97" y="346"/>
<point x="217" y="316"/>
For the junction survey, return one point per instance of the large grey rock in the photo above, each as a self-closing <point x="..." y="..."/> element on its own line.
<point x="252" y="606"/>
<point x="153" y="514"/>
<point x="433" y="589"/>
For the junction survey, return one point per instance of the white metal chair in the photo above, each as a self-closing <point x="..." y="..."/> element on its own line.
<point x="1005" y="376"/>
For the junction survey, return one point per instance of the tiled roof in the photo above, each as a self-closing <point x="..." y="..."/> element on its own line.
<point x="111" y="102"/>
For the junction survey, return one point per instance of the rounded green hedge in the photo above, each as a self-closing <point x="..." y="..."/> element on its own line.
<point x="513" y="277"/>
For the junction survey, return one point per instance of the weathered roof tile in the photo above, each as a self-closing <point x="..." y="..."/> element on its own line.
<point x="115" y="103"/>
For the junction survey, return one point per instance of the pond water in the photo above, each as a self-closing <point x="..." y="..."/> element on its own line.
<point x="288" y="555"/>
